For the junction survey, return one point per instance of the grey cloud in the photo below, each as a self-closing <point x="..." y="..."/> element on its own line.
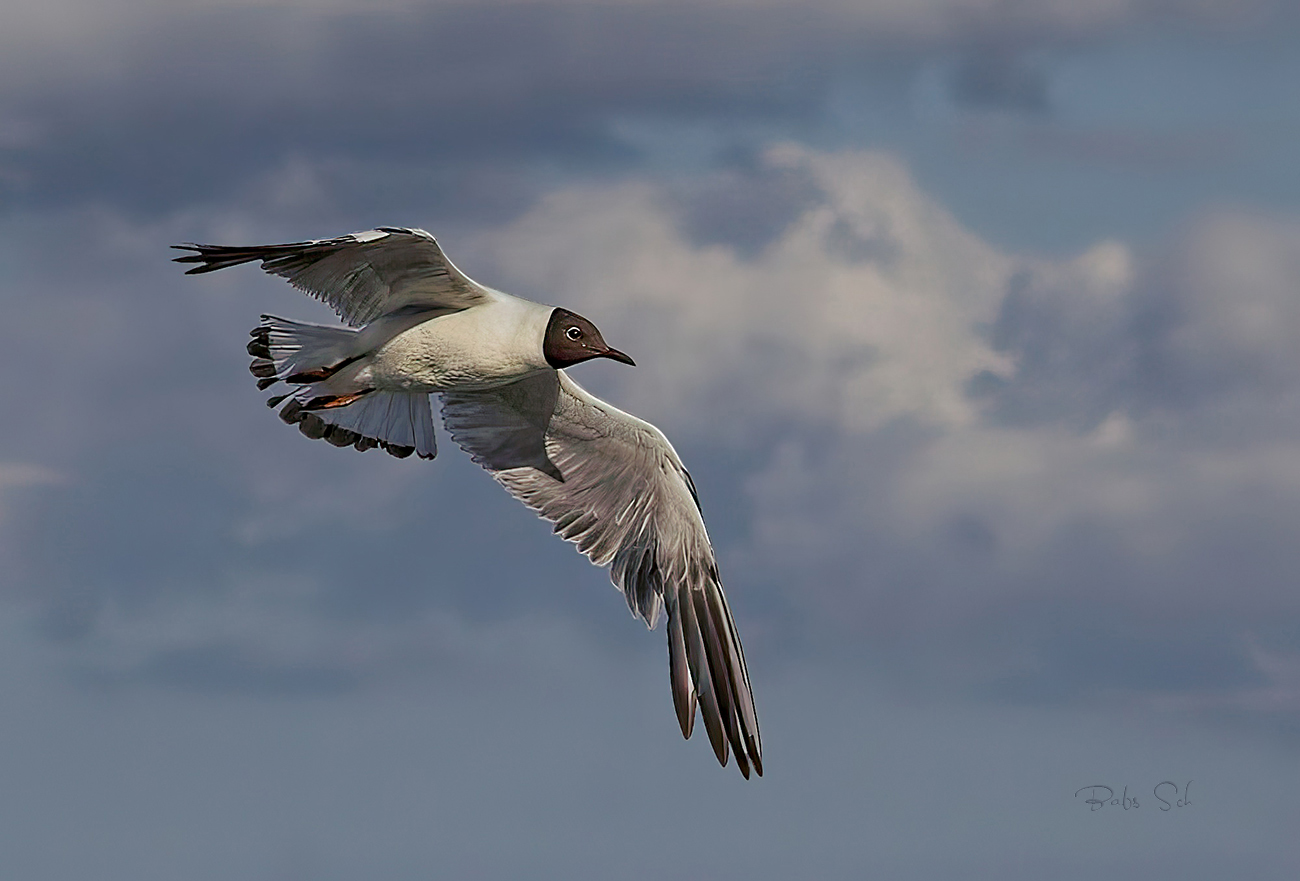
<point x="1090" y="530"/>
<point x="198" y="104"/>
<point x="1001" y="80"/>
<point x="1205" y="331"/>
<point x="744" y="206"/>
<point x="117" y="561"/>
<point x="458" y="106"/>
<point x="1077" y="356"/>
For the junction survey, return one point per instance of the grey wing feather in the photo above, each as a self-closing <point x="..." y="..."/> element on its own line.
<point x="361" y="276"/>
<point x="613" y="485"/>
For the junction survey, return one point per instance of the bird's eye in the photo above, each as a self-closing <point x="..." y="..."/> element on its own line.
<point x="573" y="333"/>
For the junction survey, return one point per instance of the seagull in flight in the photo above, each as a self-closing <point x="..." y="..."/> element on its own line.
<point x="610" y="482"/>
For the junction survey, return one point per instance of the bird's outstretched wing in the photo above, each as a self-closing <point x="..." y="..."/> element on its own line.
<point x="613" y="484"/>
<point x="362" y="275"/>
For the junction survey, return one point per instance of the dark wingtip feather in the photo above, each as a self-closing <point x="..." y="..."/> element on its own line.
<point x="262" y="368"/>
<point x="312" y="425"/>
<point x="292" y="413"/>
<point x="213" y="257"/>
<point x="188" y="258"/>
<point x="717" y="669"/>
<point x="754" y="749"/>
<point x="341" y="437"/>
<point x="679" y="673"/>
<point x="401" y="451"/>
<point x="720" y="672"/>
<point x="699" y="666"/>
<point x="260" y="344"/>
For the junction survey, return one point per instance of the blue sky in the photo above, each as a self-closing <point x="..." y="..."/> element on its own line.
<point x="976" y="323"/>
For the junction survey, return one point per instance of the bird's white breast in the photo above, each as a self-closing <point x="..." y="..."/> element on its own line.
<point x="480" y="347"/>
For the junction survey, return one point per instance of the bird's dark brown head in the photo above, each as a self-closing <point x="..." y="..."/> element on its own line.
<point x="571" y="339"/>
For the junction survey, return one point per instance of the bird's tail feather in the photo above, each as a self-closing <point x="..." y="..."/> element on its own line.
<point x="297" y="352"/>
<point x="307" y="357"/>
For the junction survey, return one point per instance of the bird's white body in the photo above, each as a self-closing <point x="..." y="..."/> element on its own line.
<point x="487" y="345"/>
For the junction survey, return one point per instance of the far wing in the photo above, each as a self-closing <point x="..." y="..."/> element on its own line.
<point x="361" y="275"/>
<point x="614" y="485"/>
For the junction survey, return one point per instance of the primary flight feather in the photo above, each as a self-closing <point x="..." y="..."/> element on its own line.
<point x="611" y="483"/>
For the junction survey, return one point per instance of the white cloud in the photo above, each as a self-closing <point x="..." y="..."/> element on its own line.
<point x="847" y="356"/>
<point x="861" y="312"/>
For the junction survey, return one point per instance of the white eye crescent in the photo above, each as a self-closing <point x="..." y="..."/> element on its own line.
<point x="573" y="333"/>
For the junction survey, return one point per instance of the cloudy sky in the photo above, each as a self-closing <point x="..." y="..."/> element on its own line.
<point x="977" y="322"/>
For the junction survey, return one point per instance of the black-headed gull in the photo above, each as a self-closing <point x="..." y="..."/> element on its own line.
<point x="611" y="483"/>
